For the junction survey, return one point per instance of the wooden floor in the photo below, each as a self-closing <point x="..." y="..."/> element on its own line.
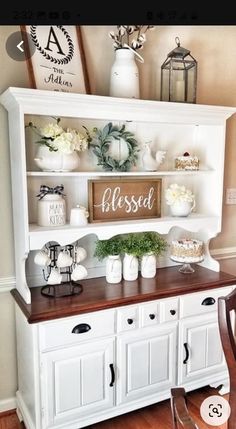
<point x="156" y="416"/>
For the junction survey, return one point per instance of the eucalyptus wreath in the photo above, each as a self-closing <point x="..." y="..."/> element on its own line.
<point x="101" y="140"/>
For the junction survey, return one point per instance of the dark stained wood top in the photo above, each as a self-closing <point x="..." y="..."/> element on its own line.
<point x="99" y="295"/>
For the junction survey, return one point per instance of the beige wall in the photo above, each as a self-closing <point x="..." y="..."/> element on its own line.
<point x="215" y="50"/>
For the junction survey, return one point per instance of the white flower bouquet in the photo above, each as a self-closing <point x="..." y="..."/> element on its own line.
<point x="176" y="193"/>
<point x="58" y="139"/>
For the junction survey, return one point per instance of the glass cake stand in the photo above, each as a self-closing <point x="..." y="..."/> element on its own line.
<point x="187" y="268"/>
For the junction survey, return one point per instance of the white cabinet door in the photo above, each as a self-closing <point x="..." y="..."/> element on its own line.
<point x="77" y="381"/>
<point x="200" y="350"/>
<point x="146" y="362"/>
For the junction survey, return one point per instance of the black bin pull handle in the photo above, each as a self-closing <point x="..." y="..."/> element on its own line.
<point x="113" y="376"/>
<point x="209" y="301"/>
<point x="81" y="328"/>
<point x="187" y="353"/>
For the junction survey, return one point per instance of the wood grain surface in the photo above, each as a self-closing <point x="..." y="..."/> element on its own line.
<point x="99" y="295"/>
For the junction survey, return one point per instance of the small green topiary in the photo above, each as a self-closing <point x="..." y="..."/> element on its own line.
<point x="139" y="244"/>
<point x="151" y="242"/>
<point x="105" y="248"/>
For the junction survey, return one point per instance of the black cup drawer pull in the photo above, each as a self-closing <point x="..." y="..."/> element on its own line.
<point x="209" y="301"/>
<point x="81" y="328"/>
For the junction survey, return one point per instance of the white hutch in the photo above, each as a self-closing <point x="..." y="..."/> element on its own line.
<point x="146" y="337"/>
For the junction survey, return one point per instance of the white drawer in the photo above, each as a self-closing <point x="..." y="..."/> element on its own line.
<point x="201" y="302"/>
<point x="58" y="333"/>
<point x="169" y="309"/>
<point x="127" y="319"/>
<point x="150" y="314"/>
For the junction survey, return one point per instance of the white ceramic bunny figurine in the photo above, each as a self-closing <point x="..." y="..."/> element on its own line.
<point x="151" y="163"/>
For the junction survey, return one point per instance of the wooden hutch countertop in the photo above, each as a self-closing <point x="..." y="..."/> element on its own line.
<point x="97" y="294"/>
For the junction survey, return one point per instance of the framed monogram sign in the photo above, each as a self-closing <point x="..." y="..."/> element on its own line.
<point x="55" y="58"/>
<point x="124" y="199"/>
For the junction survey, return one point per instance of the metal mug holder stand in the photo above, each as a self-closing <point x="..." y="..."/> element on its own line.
<point x="67" y="287"/>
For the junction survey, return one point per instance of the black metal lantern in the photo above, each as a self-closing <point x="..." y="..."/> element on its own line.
<point x="179" y="76"/>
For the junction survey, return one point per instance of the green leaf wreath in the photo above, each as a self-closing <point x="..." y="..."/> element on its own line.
<point x="100" y="143"/>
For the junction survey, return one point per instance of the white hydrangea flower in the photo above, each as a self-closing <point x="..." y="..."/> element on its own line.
<point x="79" y="140"/>
<point x="176" y="193"/>
<point x="51" y="131"/>
<point x="64" y="143"/>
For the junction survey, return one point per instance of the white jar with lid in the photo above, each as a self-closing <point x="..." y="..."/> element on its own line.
<point x="51" y="210"/>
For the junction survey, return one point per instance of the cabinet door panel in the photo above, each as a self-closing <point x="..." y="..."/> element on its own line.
<point x="67" y="381"/>
<point x="197" y="342"/>
<point x="138" y="370"/>
<point x="146" y="362"/>
<point x="78" y="378"/>
<point x="202" y="339"/>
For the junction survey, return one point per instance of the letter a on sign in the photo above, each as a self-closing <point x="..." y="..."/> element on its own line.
<point x="52" y="38"/>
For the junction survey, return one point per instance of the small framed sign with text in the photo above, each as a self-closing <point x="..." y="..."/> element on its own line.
<point x="124" y="199"/>
<point x="57" y="61"/>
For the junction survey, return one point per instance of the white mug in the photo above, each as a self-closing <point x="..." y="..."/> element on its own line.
<point x="79" y="272"/>
<point x="41" y="258"/>
<point x="64" y="259"/>
<point x="55" y="277"/>
<point x="81" y="254"/>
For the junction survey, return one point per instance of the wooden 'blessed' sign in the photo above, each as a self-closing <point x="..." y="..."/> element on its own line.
<point x="124" y="199"/>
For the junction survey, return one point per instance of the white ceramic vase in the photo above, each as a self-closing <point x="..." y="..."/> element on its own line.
<point x="48" y="160"/>
<point x="182" y="208"/>
<point x="113" y="269"/>
<point x="51" y="210"/>
<point x="124" y="78"/>
<point x="130" y="267"/>
<point x="148" y="266"/>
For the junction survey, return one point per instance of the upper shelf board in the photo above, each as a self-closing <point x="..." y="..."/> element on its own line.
<point x="41" y="102"/>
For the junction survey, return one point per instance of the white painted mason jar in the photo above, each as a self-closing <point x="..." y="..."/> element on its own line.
<point x="113" y="269"/>
<point x="52" y="210"/>
<point x="148" y="265"/>
<point x="130" y="267"/>
<point x="124" y="78"/>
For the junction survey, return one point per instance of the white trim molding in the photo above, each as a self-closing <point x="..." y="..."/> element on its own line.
<point x="224" y="253"/>
<point x="7" y="283"/>
<point x="7" y="404"/>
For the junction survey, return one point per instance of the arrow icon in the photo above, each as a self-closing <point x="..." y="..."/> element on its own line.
<point x="19" y="46"/>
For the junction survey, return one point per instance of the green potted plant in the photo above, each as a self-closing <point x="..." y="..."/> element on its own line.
<point x="110" y="250"/>
<point x="131" y="249"/>
<point x="151" y="244"/>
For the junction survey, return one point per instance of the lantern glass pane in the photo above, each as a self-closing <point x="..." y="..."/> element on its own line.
<point x="165" y="90"/>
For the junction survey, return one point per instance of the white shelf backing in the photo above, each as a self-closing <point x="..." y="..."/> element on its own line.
<point x="38" y="236"/>
<point x="117" y="173"/>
